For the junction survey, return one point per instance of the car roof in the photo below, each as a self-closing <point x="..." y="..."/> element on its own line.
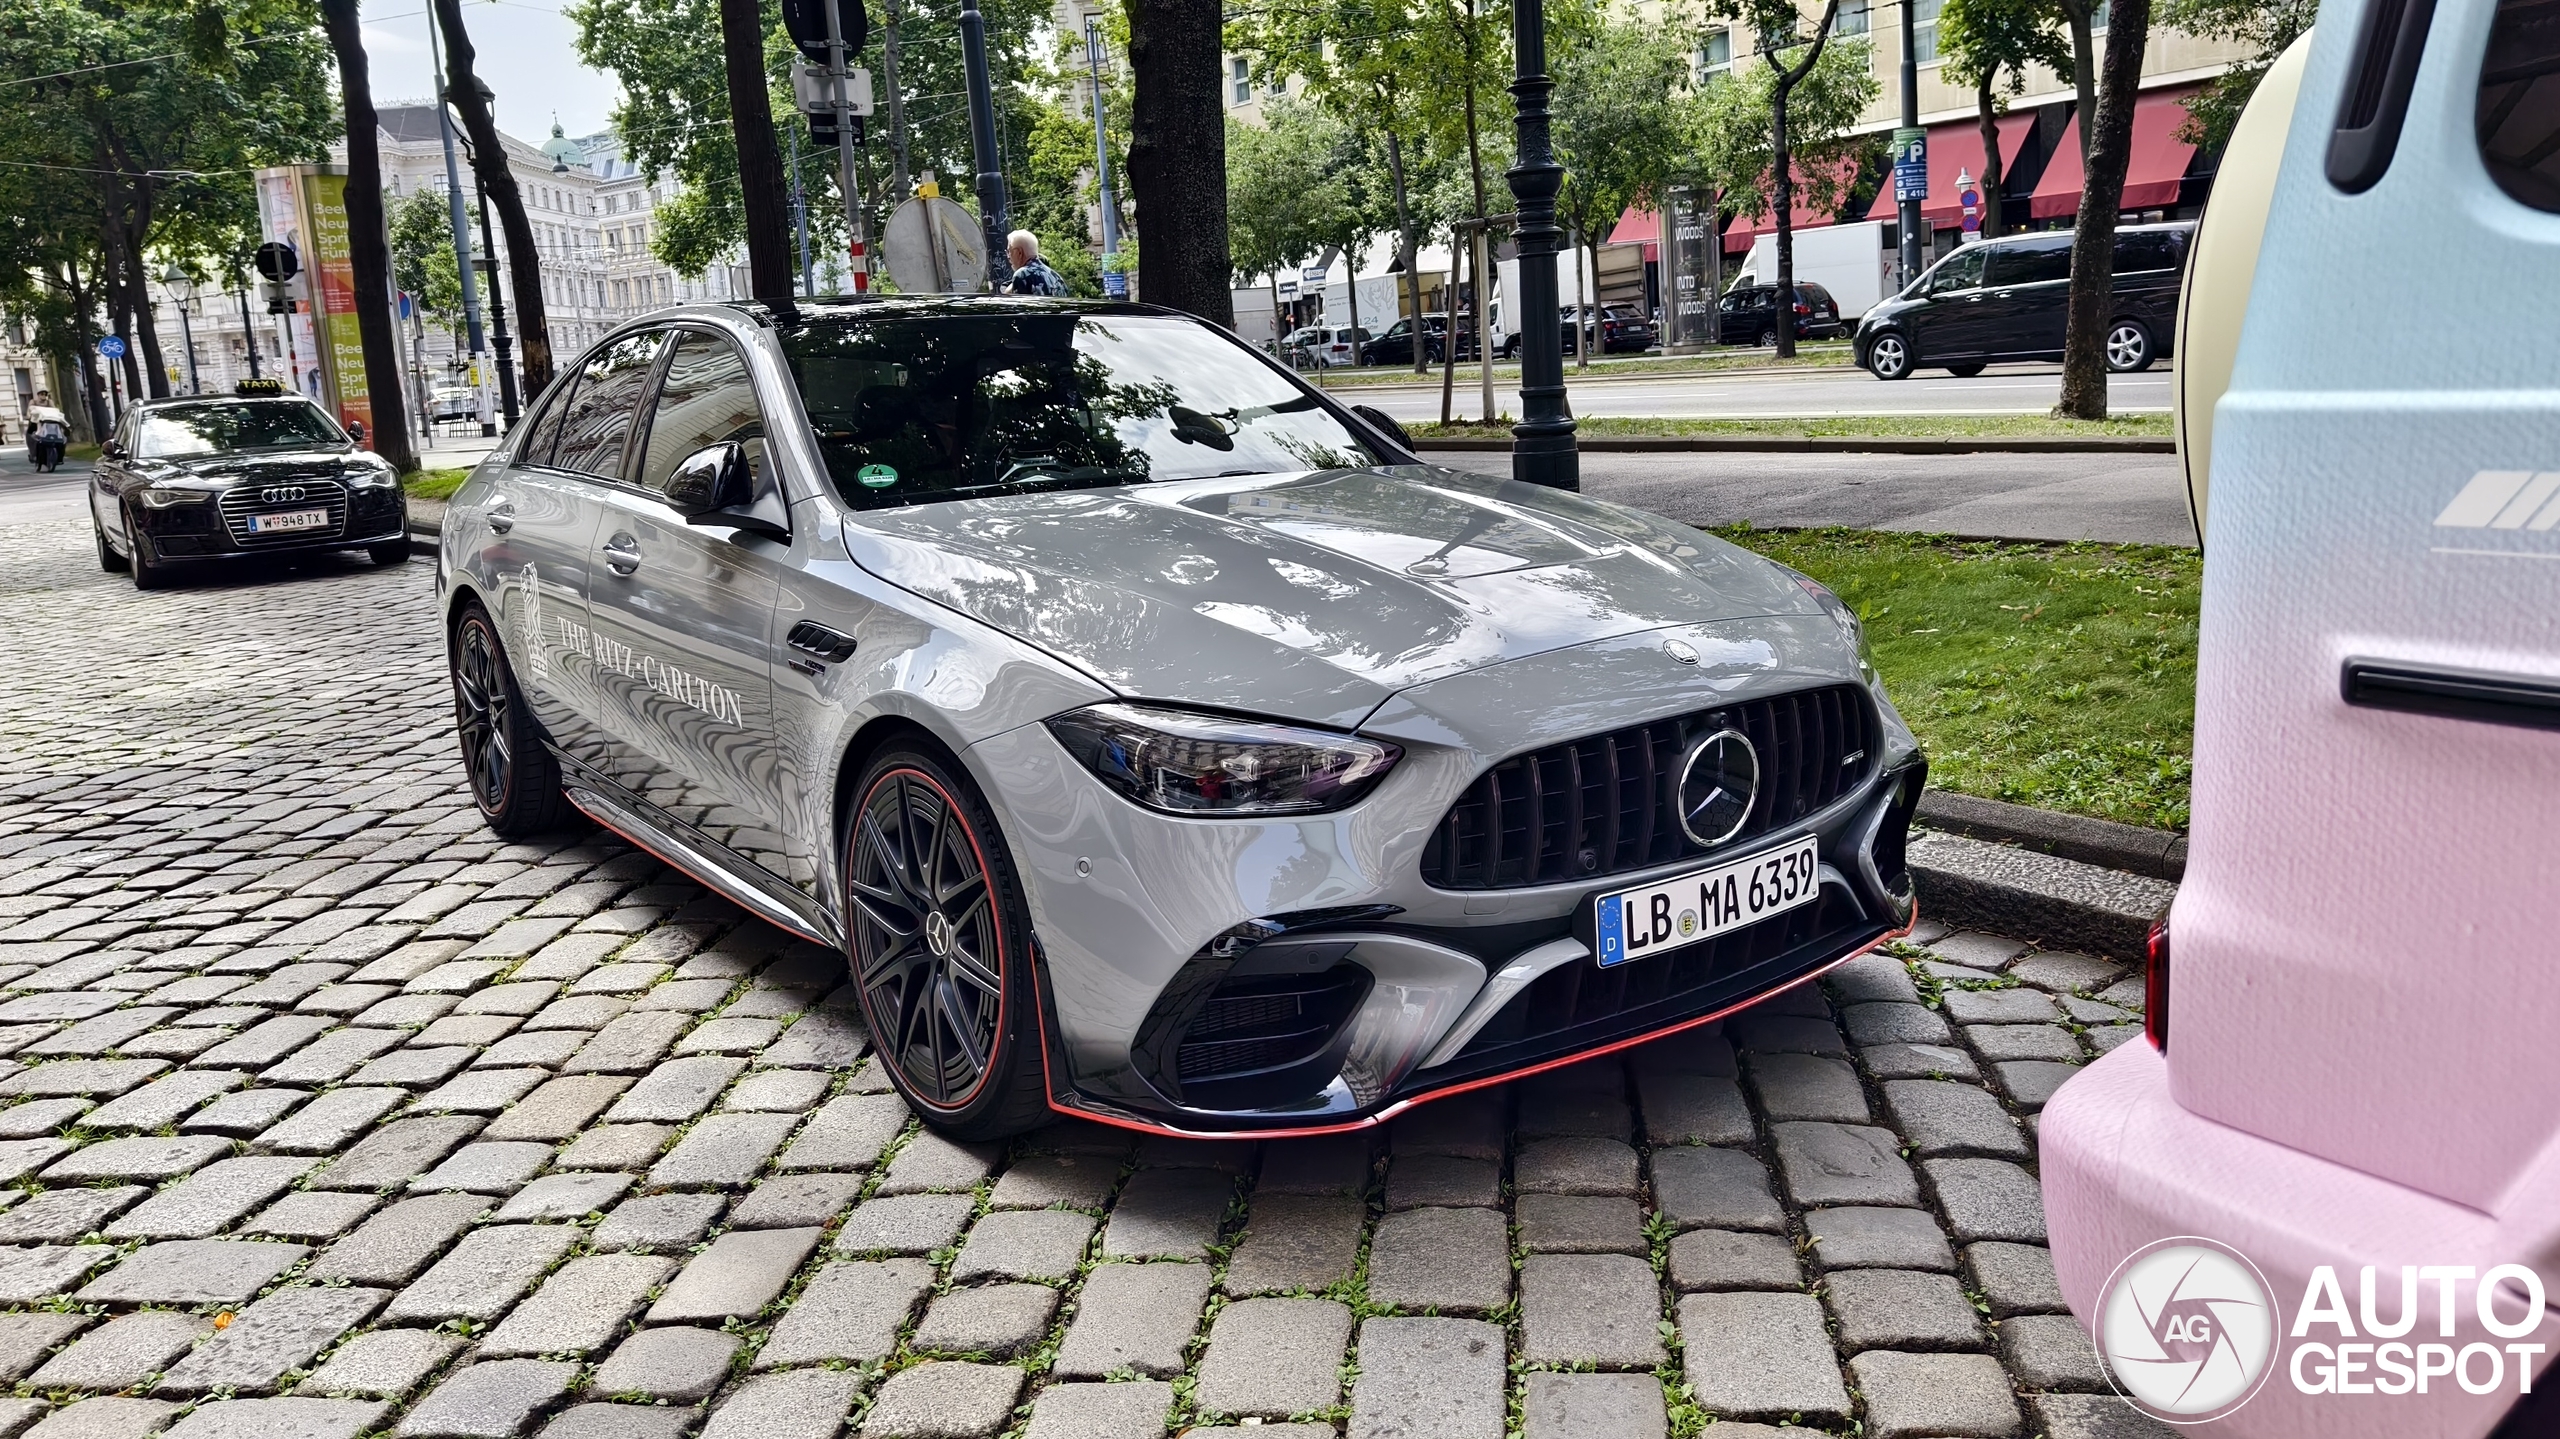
<point x="169" y="402"/>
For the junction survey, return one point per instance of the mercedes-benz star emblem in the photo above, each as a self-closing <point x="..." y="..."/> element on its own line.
<point x="1680" y="650"/>
<point x="1717" y="786"/>
<point x="937" y="934"/>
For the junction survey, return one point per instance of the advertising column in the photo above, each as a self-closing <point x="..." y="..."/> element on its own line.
<point x="306" y="206"/>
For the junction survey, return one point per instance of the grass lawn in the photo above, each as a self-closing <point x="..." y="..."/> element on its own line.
<point x="2152" y="427"/>
<point x="2062" y="676"/>
<point x="434" y="484"/>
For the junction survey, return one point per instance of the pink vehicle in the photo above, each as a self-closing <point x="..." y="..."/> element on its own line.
<point x="2325" y="1200"/>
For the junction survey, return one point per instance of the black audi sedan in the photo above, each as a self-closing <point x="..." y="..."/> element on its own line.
<point x="204" y="479"/>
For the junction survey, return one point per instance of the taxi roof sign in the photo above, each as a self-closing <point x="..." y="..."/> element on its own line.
<point x="259" y="387"/>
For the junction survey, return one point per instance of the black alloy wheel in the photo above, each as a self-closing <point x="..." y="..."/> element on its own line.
<point x="941" y="945"/>
<point x="148" y="573"/>
<point x="514" y="779"/>
<point x="108" y="559"/>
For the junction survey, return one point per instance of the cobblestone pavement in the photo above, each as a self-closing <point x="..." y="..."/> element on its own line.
<point x="328" y="1114"/>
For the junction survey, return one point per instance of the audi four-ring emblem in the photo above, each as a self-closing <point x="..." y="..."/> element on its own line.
<point x="280" y="494"/>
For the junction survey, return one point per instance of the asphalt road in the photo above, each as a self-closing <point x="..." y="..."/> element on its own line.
<point x="27" y="496"/>
<point x="1800" y="394"/>
<point x="2131" y="499"/>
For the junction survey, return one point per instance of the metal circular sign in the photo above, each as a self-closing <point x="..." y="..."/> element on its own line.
<point x="2188" y="1329"/>
<point x="1717" y="785"/>
<point x="111" y="346"/>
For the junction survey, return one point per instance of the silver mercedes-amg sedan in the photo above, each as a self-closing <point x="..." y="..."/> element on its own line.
<point x="1160" y="741"/>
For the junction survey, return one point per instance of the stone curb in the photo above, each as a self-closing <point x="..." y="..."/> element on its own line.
<point x="1839" y="444"/>
<point x="2133" y="848"/>
<point x="2059" y="903"/>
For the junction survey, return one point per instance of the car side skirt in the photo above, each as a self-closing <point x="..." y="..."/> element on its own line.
<point x="706" y="860"/>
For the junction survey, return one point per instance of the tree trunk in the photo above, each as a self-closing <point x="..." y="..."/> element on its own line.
<point x="1782" y="305"/>
<point x="2083" y="67"/>
<point x="1178" y="156"/>
<point x="1990" y="157"/>
<point x="498" y="183"/>
<point x="2093" y="242"/>
<point x="1411" y="298"/>
<point x="368" y="241"/>
<point x="767" y="191"/>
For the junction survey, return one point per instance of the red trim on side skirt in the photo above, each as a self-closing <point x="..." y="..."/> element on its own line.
<point x="1400" y="1106"/>
<point x="691" y="873"/>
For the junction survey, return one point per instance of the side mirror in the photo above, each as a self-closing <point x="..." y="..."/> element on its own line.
<point x="715" y="485"/>
<point x="1381" y="420"/>
<point x="111" y="450"/>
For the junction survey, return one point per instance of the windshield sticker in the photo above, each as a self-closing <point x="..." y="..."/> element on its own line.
<point x="877" y="477"/>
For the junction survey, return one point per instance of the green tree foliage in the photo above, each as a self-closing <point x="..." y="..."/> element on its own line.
<point x="1988" y="44"/>
<point x="674" y="116"/>
<point x="134" y="139"/>
<point x="1287" y="196"/>
<point x="1733" y="149"/>
<point x="422" y="261"/>
<point x="2267" y="27"/>
<point x="1621" y="131"/>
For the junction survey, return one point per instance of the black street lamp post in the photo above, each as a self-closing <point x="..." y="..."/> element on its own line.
<point x="1907" y="206"/>
<point x="982" y="139"/>
<point x="500" y="342"/>
<point x="1542" y="447"/>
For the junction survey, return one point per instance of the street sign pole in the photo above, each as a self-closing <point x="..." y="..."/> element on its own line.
<point x="1907" y="200"/>
<point x="982" y="139"/>
<point x="857" y="222"/>
<point x="1114" y="283"/>
<point x="455" y="215"/>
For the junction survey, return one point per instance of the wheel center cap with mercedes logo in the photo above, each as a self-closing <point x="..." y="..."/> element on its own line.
<point x="937" y="934"/>
<point x="1717" y="785"/>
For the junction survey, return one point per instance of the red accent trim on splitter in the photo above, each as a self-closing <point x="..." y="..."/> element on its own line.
<point x="1400" y="1106"/>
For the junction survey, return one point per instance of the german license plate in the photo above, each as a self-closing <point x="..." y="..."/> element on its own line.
<point x="1637" y="923"/>
<point x="288" y="520"/>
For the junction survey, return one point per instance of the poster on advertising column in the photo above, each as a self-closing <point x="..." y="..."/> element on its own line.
<point x="306" y="206"/>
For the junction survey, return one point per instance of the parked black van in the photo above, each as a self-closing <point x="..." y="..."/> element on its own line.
<point x="2005" y="300"/>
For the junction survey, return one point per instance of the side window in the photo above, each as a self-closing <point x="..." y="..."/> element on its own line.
<point x="2517" y="117"/>
<point x="596" y="423"/>
<point x="2032" y="263"/>
<point x="1961" y="271"/>
<point x="537" y="446"/>
<point x="2146" y="250"/>
<point x="706" y="399"/>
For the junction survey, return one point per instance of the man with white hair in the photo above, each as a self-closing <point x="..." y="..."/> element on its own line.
<point x="1031" y="274"/>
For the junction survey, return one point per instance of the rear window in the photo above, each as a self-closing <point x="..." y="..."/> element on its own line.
<point x="2148" y="250"/>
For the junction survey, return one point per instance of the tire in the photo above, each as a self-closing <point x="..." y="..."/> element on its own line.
<point x="1767" y="339"/>
<point x="930" y="894"/>
<point x="2128" y="347"/>
<point x="514" y="779"/>
<point x="108" y="559"/>
<point x="1967" y="370"/>
<point x="390" y="552"/>
<point x="148" y="573"/>
<point x="1889" y="356"/>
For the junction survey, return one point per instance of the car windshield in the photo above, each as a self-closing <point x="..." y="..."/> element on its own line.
<point x="224" y="426"/>
<point x="921" y="409"/>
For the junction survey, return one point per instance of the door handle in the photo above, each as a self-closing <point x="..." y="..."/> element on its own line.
<point x="622" y="554"/>
<point x="502" y="517"/>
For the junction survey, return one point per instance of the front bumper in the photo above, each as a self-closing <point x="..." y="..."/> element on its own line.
<point x="2124" y="1164"/>
<point x="364" y="516"/>
<point x="1144" y="918"/>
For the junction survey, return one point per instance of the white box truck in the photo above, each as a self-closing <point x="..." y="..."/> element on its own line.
<point x="1848" y="260"/>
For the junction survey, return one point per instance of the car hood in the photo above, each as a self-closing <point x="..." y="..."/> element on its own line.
<point x="248" y="469"/>
<point x="1311" y="596"/>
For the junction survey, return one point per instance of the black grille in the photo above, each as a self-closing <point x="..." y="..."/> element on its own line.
<point x="243" y="501"/>
<point x="1577" y="1004"/>
<point x="1604" y="805"/>
<point x="1253" y="1025"/>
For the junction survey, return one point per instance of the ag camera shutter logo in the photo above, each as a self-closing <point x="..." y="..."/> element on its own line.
<point x="2188" y="1329"/>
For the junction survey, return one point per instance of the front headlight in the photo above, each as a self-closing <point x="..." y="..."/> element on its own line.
<point x="1184" y="763"/>
<point x="161" y="496"/>
<point x="1843" y="616"/>
<point x="374" y="476"/>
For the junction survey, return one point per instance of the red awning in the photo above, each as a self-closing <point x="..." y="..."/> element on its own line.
<point x="2152" y="174"/>
<point x="1747" y="228"/>
<point x="1954" y="150"/>
<point x="1637" y="226"/>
